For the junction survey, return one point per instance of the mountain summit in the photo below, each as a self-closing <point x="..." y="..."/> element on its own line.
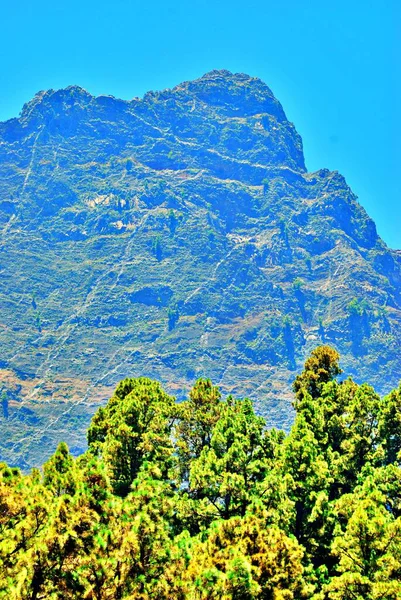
<point x="176" y="236"/>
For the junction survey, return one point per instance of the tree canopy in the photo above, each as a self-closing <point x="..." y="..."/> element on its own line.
<point x="199" y="500"/>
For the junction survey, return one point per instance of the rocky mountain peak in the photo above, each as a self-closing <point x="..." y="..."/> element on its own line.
<point x="55" y="100"/>
<point x="234" y="94"/>
<point x="233" y="116"/>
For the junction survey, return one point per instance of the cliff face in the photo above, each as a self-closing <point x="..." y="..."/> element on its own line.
<point x="176" y="236"/>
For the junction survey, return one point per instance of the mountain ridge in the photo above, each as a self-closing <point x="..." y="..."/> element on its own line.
<point x="222" y="75"/>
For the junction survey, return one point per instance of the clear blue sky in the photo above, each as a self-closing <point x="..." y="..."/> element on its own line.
<point x="334" y="65"/>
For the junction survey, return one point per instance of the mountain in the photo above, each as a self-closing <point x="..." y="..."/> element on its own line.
<point x="176" y="236"/>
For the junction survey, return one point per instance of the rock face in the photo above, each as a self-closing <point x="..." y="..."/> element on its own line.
<point x="176" y="236"/>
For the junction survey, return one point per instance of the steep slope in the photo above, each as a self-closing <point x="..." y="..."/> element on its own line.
<point x="176" y="236"/>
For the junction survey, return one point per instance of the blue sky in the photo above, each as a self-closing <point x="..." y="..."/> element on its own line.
<point x="333" y="65"/>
